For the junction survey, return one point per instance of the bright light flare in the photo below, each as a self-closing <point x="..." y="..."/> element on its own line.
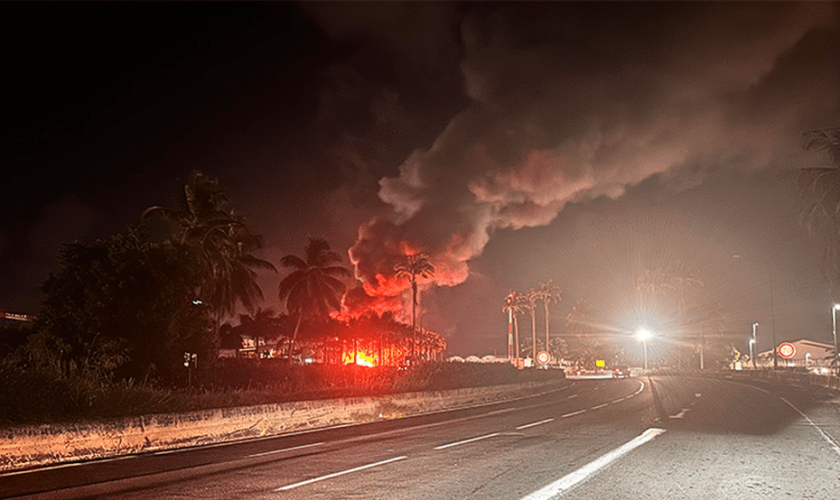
<point x="643" y="334"/>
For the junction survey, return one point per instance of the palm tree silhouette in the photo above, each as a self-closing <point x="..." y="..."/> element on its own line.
<point x="224" y="242"/>
<point x="529" y="303"/>
<point x="416" y="265"/>
<point x="314" y="287"/>
<point x="514" y="306"/>
<point x="548" y="293"/>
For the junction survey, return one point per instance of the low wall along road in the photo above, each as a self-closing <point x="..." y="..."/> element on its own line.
<point x="29" y="446"/>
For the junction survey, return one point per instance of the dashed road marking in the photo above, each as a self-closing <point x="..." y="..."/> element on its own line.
<point x="571" y="480"/>
<point x="535" y="424"/>
<point x="479" y="438"/>
<point x="336" y="474"/>
<point x="574" y="413"/>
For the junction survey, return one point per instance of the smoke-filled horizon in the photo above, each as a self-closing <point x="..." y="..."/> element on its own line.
<point x="570" y="104"/>
<point x="510" y="142"/>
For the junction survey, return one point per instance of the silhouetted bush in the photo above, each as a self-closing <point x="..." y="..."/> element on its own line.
<point x="47" y="395"/>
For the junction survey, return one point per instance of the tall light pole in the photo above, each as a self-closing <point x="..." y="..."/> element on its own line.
<point x="752" y="344"/>
<point x="834" y="360"/>
<point x="772" y="309"/>
<point x="644" y="334"/>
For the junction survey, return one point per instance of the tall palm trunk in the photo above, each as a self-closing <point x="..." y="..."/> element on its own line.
<point x="516" y="332"/>
<point x="413" y="316"/>
<point x="534" y="337"/>
<point x="545" y="303"/>
<point x="294" y="336"/>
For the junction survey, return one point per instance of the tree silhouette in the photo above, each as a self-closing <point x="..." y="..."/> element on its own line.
<point x="314" y="287"/>
<point x="548" y="293"/>
<point x="416" y="265"/>
<point x="530" y="305"/>
<point x="515" y="305"/>
<point x="224" y="243"/>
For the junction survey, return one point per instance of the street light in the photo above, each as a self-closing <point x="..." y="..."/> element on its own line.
<point x="772" y="308"/>
<point x="643" y="334"/>
<point x="834" y="331"/>
<point x="752" y="345"/>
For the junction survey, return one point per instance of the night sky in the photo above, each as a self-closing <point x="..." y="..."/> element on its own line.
<point x="513" y="143"/>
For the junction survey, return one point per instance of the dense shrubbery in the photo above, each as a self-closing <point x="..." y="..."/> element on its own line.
<point x="42" y="396"/>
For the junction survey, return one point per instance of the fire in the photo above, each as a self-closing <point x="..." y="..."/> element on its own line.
<point x="362" y="358"/>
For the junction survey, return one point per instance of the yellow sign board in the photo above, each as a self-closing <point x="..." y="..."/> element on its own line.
<point x="600" y="363"/>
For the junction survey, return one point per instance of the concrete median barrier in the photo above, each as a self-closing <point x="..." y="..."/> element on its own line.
<point x="30" y="446"/>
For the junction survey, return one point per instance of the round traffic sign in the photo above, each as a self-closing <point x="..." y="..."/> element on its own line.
<point x="543" y="357"/>
<point x="786" y="350"/>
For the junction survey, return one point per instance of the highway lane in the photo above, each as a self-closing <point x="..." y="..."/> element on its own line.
<point x="728" y="439"/>
<point x="261" y="467"/>
<point x="700" y="438"/>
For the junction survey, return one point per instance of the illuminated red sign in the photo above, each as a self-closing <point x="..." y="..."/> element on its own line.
<point x="786" y="350"/>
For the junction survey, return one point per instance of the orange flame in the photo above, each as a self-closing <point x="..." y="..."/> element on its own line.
<point x="362" y="358"/>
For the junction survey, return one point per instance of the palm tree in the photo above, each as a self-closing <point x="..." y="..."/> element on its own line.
<point x="416" y="265"/>
<point x="514" y="307"/>
<point x="232" y="270"/>
<point x="821" y="185"/>
<point x="314" y="287"/>
<point x="548" y="293"/>
<point x="530" y="304"/>
<point x="223" y="241"/>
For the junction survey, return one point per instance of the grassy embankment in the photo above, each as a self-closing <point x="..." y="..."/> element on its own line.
<point x="36" y="399"/>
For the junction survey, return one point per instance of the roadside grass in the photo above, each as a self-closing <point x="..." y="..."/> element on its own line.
<point x="40" y="398"/>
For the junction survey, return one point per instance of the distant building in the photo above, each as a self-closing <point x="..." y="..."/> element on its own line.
<point x="807" y="354"/>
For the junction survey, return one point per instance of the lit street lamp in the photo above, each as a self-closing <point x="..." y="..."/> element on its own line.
<point x="834" y="331"/>
<point x="643" y="334"/>
<point x="772" y="307"/>
<point x="752" y="345"/>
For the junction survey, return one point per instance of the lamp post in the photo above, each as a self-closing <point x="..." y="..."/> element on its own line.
<point x="752" y="344"/>
<point x="834" y="332"/>
<point x="772" y="309"/>
<point x="644" y="334"/>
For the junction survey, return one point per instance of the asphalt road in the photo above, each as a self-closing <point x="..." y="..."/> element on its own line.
<point x="697" y="438"/>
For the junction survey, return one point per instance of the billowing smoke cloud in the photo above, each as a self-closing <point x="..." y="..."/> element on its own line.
<point x="574" y="102"/>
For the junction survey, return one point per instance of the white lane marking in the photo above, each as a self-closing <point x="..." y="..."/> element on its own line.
<point x="574" y="413"/>
<point x="572" y="396"/>
<point x="272" y="452"/>
<point x="641" y="388"/>
<point x="831" y="440"/>
<point x="535" y="423"/>
<point x="599" y="406"/>
<point x="567" y="482"/>
<point x="336" y="474"/>
<point x="681" y="414"/>
<point x="504" y="410"/>
<point x="479" y="438"/>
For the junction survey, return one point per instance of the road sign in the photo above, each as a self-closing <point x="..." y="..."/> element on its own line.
<point x="600" y="363"/>
<point x="786" y="350"/>
<point x="543" y="357"/>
